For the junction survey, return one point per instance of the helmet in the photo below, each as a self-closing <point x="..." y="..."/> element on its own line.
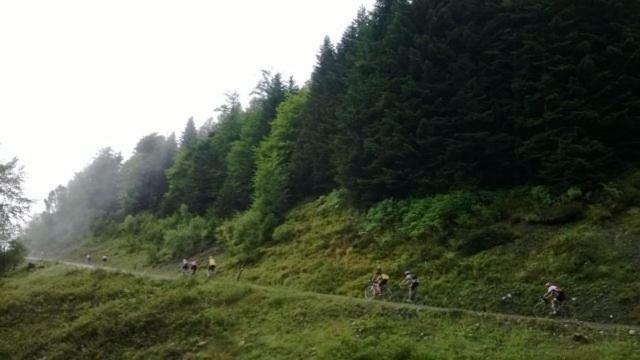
<point x="548" y="284"/>
<point x="407" y="272"/>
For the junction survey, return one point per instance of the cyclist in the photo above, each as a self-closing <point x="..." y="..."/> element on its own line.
<point x="212" y="266"/>
<point x="87" y="258"/>
<point x="411" y="281"/>
<point x="194" y="267"/>
<point x="104" y="259"/>
<point x="379" y="282"/>
<point x="555" y="294"/>
<point x="185" y="266"/>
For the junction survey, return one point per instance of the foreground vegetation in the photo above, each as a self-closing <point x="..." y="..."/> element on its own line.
<point x="63" y="313"/>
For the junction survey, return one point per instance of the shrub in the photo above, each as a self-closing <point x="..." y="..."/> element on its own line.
<point x="579" y="251"/>
<point x="564" y="213"/>
<point x="11" y="255"/>
<point x="483" y="239"/>
<point x="170" y="238"/>
<point x="242" y="231"/>
<point x="599" y="214"/>
<point x="417" y="218"/>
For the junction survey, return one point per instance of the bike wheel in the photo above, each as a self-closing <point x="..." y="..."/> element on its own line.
<point x="540" y="309"/>
<point x="369" y="293"/>
<point x="567" y="311"/>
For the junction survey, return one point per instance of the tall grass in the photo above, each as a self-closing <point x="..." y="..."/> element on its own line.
<point x="60" y="314"/>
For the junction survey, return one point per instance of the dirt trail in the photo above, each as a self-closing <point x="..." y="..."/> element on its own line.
<point x="343" y="298"/>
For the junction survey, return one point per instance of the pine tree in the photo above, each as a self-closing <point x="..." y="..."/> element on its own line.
<point x="189" y="135"/>
<point x="311" y="166"/>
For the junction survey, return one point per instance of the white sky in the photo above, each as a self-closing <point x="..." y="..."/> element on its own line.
<point x="76" y="76"/>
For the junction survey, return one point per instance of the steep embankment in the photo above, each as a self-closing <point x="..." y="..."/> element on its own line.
<point x="475" y="251"/>
<point x="490" y="251"/>
<point x="61" y="313"/>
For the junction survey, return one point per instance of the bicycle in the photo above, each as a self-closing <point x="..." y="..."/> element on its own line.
<point x="370" y="292"/>
<point x="404" y="293"/>
<point x="566" y="309"/>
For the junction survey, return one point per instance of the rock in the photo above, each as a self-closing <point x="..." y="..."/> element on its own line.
<point x="632" y="332"/>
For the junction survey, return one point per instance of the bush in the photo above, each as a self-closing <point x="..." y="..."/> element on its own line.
<point x="561" y="213"/>
<point x="11" y="255"/>
<point x="189" y="237"/>
<point x="484" y="239"/>
<point x="599" y="214"/>
<point x="242" y="231"/>
<point x="173" y="237"/>
<point x="417" y="218"/>
<point x="579" y="252"/>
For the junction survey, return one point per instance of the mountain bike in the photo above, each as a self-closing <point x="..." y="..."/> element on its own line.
<point x="391" y="293"/>
<point x="566" y="308"/>
<point x="369" y="292"/>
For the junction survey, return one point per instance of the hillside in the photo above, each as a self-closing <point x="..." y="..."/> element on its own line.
<point x="491" y="252"/>
<point x="62" y="313"/>
<point x="489" y="146"/>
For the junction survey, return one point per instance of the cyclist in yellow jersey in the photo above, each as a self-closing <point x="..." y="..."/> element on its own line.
<point x="380" y="281"/>
<point x="212" y="266"/>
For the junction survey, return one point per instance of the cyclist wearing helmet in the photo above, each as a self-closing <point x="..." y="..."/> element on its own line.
<point x="411" y="282"/>
<point x="185" y="266"/>
<point x="212" y="266"/>
<point x="194" y="267"/>
<point x="379" y="281"/>
<point x="555" y="294"/>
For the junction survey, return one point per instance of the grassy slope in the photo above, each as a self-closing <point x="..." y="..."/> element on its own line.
<point x="61" y="313"/>
<point x="321" y="247"/>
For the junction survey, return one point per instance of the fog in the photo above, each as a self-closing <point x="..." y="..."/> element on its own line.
<point x="78" y="76"/>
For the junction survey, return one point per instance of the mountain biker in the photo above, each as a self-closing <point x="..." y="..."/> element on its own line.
<point x="185" y="266"/>
<point x="212" y="266"/>
<point x="411" y="281"/>
<point x="87" y="258"/>
<point x="104" y="259"/>
<point x="194" y="267"/>
<point x="555" y="294"/>
<point x="379" y="281"/>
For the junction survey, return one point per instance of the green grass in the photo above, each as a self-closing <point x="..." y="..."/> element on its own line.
<point x="487" y="251"/>
<point x="333" y="248"/>
<point x="326" y="246"/>
<point x="61" y="313"/>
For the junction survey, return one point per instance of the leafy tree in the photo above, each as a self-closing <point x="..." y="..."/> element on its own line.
<point x="235" y="194"/>
<point x="11" y="255"/>
<point x="143" y="175"/>
<point x="13" y="204"/>
<point x="273" y="180"/>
